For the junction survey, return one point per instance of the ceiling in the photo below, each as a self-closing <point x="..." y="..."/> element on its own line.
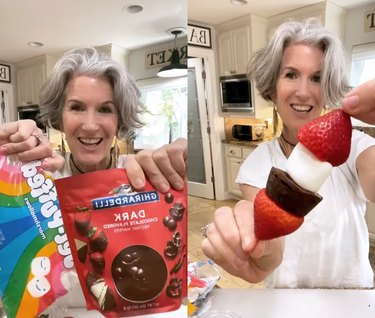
<point x="65" y="24"/>
<point x="213" y="12"/>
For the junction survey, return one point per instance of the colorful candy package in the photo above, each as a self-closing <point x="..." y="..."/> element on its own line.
<point x="129" y="248"/>
<point x="35" y="258"/>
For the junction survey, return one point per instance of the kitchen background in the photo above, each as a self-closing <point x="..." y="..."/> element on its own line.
<point x="220" y="37"/>
<point x="235" y="32"/>
<point x="137" y="35"/>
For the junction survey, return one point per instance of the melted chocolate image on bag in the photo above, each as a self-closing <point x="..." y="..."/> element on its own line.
<point x="139" y="273"/>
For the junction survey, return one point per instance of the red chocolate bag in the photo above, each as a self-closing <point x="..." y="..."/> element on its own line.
<point x="129" y="248"/>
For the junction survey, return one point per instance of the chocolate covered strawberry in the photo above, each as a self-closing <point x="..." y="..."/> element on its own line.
<point x="98" y="240"/>
<point x="82" y="220"/>
<point x="271" y="221"/>
<point x="97" y="261"/>
<point x="328" y="137"/>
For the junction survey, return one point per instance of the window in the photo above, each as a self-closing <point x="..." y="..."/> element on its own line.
<point x="362" y="69"/>
<point x="363" y="64"/>
<point x="165" y="117"/>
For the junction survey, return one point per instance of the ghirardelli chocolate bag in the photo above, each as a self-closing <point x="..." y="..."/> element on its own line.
<point x="129" y="248"/>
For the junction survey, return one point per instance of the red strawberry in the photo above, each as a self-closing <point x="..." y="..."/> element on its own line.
<point x="270" y="221"/>
<point x="328" y="137"/>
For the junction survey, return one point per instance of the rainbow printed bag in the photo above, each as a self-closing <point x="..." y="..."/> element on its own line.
<point x="35" y="259"/>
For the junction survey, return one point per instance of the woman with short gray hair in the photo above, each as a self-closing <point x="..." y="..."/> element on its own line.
<point x="301" y="71"/>
<point x="264" y="65"/>
<point x="90" y="62"/>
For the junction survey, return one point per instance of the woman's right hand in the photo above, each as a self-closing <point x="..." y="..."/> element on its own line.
<point x="231" y="243"/>
<point x="25" y="140"/>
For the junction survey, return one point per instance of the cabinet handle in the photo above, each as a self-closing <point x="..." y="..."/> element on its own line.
<point x="232" y="152"/>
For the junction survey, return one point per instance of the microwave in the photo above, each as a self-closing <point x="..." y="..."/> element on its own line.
<point x="31" y="112"/>
<point x="236" y="94"/>
<point x="248" y="132"/>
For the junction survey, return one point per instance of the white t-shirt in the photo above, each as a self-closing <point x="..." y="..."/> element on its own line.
<point x="330" y="249"/>
<point x="66" y="170"/>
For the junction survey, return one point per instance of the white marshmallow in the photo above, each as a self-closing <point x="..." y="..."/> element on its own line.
<point x="307" y="170"/>
<point x="40" y="266"/>
<point x="38" y="286"/>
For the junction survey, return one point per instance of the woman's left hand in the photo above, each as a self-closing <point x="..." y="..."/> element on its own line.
<point x="165" y="167"/>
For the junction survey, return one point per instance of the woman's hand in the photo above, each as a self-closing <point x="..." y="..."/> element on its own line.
<point x="25" y="140"/>
<point x="165" y="167"/>
<point x="360" y="102"/>
<point x="231" y="243"/>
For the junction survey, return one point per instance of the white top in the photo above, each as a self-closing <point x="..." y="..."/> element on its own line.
<point x="66" y="170"/>
<point x="330" y="249"/>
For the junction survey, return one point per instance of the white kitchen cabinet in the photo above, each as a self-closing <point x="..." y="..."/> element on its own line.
<point x="30" y="77"/>
<point x="238" y="39"/>
<point x="234" y="51"/>
<point x="29" y="83"/>
<point x="234" y="156"/>
<point x="329" y="14"/>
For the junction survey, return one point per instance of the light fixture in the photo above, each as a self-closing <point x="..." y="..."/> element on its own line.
<point x="133" y="8"/>
<point x="35" y="44"/>
<point x="239" y="2"/>
<point x="175" y="68"/>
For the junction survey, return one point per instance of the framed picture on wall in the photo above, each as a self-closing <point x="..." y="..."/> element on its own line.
<point x="4" y="73"/>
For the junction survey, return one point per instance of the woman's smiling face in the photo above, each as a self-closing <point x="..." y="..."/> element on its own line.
<point x="298" y="95"/>
<point x="89" y="121"/>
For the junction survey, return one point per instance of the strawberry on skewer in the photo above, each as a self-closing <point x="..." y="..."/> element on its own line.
<point x="323" y="143"/>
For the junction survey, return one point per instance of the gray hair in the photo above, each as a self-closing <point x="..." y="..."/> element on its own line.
<point x="89" y="62"/>
<point x="264" y="65"/>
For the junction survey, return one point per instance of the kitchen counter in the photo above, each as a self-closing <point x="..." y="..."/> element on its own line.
<point x="295" y="303"/>
<point x="242" y="143"/>
<point x="83" y="313"/>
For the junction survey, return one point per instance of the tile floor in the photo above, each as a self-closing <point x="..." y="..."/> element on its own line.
<point x="201" y="212"/>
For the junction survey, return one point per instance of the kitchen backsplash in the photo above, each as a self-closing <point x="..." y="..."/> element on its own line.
<point x="230" y="121"/>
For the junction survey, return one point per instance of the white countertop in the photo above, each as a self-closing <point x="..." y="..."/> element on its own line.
<point x="83" y="313"/>
<point x="295" y="303"/>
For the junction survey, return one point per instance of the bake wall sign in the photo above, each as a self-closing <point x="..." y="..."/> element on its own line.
<point x="199" y="36"/>
<point x="370" y="20"/>
<point x="4" y="73"/>
<point x="163" y="57"/>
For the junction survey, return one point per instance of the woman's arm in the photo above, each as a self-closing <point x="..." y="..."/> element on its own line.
<point x="366" y="171"/>
<point x="360" y="104"/>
